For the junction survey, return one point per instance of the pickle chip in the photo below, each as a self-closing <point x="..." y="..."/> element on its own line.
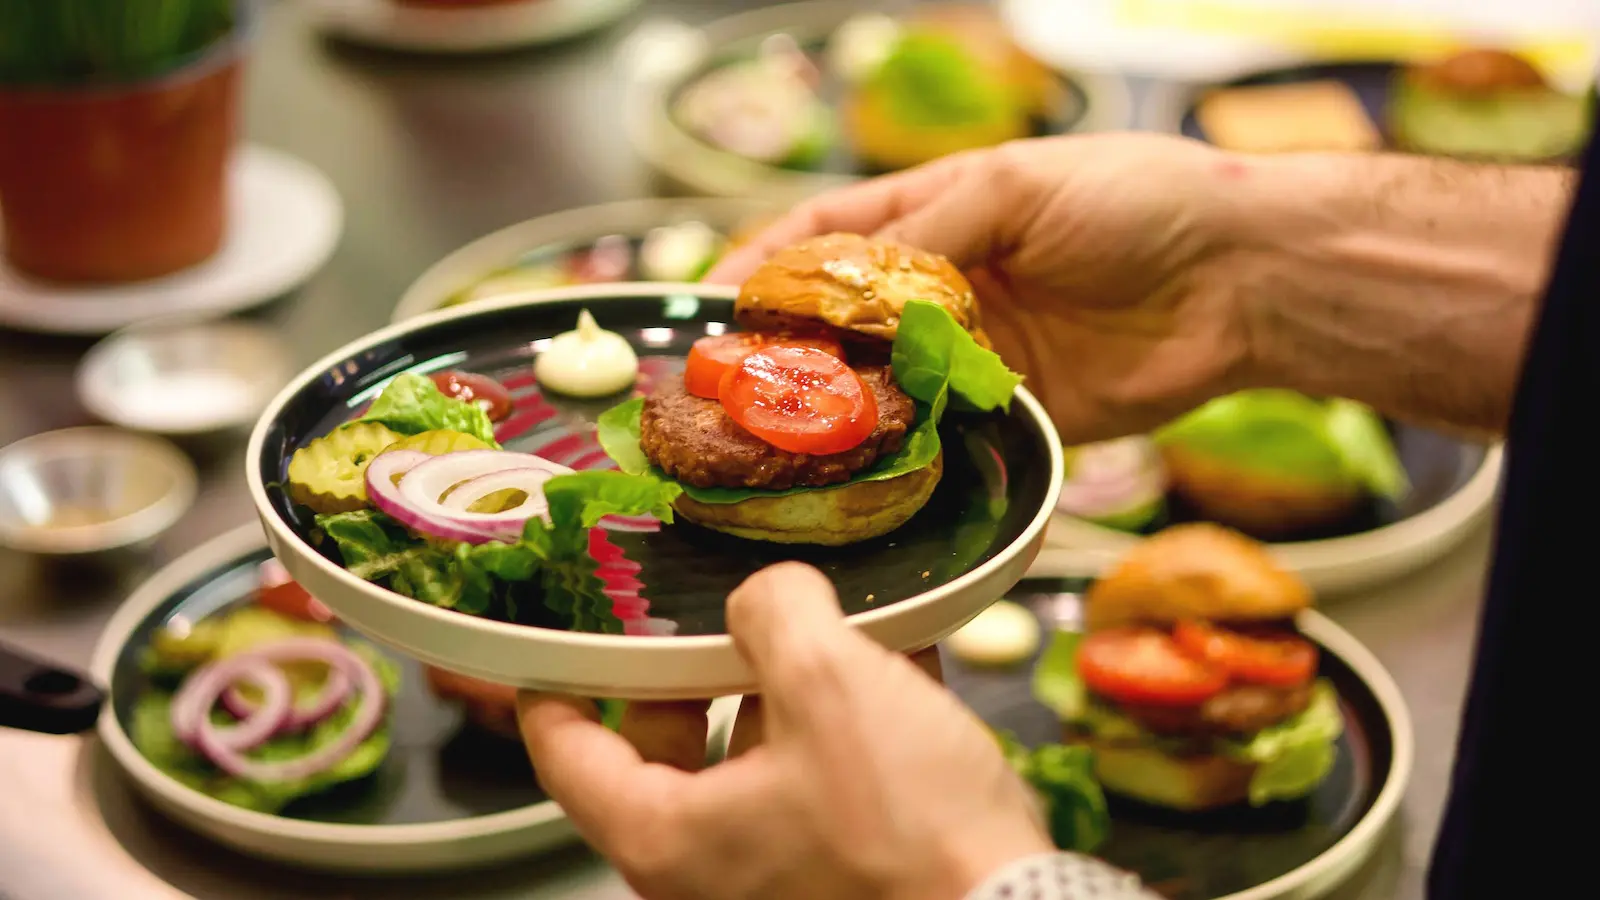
<point x="329" y="475"/>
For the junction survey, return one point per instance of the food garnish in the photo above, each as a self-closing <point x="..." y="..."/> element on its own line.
<point x="329" y="474"/>
<point x="712" y="356"/>
<point x="1062" y="777"/>
<point x="681" y="252"/>
<point x="1119" y="483"/>
<point x="861" y="45"/>
<point x="258" y="708"/>
<point x="487" y="393"/>
<point x="1004" y="634"/>
<point x="1279" y="660"/>
<point x="434" y="495"/>
<point x="799" y="399"/>
<point x="763" y="109"/>
<point x="1486" y="104"/>
<point x="588" y="361"/>
<point x="1143" y="665"/>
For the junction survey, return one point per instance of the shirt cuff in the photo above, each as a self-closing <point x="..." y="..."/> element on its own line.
<point x="1061" y="876"/>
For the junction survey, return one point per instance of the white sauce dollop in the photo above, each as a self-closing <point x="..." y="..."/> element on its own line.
<point x="677" y="252"/>
<point x="1005" y="634"/>
<point x="861" y="45"/>
<point x="587" y="362"/>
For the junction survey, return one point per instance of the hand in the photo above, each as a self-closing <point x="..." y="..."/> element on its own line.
<point x="1100" y="262"/>
<point x="870" y="780"/>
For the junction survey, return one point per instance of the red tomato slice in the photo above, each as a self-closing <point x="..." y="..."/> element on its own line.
<point x="1145" y="666"/>
<point x="712" y="356"/>
<point x="482" y="390"/>
<point x="1285" y="661"/>
<point x="799" y="399"/>
<point x="285" y="596"/>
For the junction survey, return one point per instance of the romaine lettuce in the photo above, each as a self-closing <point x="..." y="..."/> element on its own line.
<point x="1063" y="779"/>
<point x="412" y="404"/>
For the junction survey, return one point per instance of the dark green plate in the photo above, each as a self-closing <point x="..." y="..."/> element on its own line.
<point x="1235" y="853"/>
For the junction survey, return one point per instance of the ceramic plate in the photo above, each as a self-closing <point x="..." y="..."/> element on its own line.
<point x="907" y="589"/>
<point x="448" y="795"/>
<point x="1173" y="110"/>
<point x="468" y="29"/>
<point x="283" y="224"/>
<point x="668" y="58"/>
<point x="1453" y="489"/>
<point x="555" y="240"/>
<point x="1284" y="850"/>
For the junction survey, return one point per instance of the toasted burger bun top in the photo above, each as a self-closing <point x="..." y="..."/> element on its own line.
<point x="1199" y="571"/>
<point x="1478" y="72"/>
<point x="853" y="283"/>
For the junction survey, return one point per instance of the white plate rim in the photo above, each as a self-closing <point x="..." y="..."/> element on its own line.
<point x="17" y="315"/>
<point x="155" y="590"/>
<point x="664" y="651"/>
<point x="474" y="260"/>
<point x="469" y="30"/>
<point x="1076" y="547"/>
<point x="670" y="150"/>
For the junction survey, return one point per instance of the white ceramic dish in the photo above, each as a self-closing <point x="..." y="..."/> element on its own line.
<point x="584" y="225"/>
<point x="470" y="29"/>
<point x="283" y="224"/>
<point x="423" y="847"/>
<point x="642" y="667"/>
<point x="89" y="490"/>
<point x="662" y="55"/>
<point x="183" y="377"/>
<point x="1077" y="548"/>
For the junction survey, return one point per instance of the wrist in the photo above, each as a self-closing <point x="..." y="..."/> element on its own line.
<point x="958" y="870"/>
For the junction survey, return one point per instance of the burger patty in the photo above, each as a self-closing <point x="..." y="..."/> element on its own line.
<point x="1238" y="711"/>
<point x="694" y="441"/>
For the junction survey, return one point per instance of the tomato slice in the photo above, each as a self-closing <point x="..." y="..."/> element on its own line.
<point x="284" y="596"/>
<point x="482" y="390"/>
<point x="799" y="399"/>
<point x="712" y="356"/>
<point x="1146" y="666"/>
<point x="1285" y="661"/>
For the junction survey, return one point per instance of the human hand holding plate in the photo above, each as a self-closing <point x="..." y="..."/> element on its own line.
<point x="834" y="802"/>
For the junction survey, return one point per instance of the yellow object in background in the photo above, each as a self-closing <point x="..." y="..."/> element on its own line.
<point x="1335" y="31"/>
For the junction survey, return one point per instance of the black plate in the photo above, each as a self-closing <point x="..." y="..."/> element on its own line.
<point x="439" y="769"/>
<point x="1214" y="854"/>
<point x="1074" y="105"/>
<point x="1437" y="465"/>
<point x="979" y="509"/>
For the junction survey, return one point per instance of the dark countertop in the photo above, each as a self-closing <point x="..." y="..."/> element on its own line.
<point x="428" y="156"/>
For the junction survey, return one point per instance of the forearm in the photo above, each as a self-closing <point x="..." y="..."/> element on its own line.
<point x="1407" y="283"/>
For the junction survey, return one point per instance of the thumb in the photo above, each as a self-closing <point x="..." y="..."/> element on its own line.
<point x="786" y="622"/>
<point x="961" y="224"/>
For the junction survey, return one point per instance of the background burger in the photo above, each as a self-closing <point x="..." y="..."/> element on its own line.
<point x="1191" y="682"/>
<point x="797" y="429"/>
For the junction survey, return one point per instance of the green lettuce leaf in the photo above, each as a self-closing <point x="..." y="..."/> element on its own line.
<point x="412" y="404"/>
<point x="933" y="358"/>
<point x="1292" y="757"/>
<point x="150" y="729"/>
<point x="486" y="579"/>
<point x="1063" y="778"/>
<point x="1337" y="443"/>
<point x="1510" y="126"/>
<point x="932" y="80"/>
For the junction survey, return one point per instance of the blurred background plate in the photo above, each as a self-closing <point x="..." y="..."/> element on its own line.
<point x="463" y="27"/>
<point x="669" y="58"/>
<point x="448" y="795"/>
<point x="1454" y="487"/>
<point x="545" y="251"/>
<point x="907" y="589"/>
<point x="1284" y="850"/>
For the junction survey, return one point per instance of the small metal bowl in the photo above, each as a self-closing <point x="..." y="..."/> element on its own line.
<point x="183" y="376"/>
<point x="90" y="490"/>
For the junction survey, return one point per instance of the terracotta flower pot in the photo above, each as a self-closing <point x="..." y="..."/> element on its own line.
<point x="110" y="183"/>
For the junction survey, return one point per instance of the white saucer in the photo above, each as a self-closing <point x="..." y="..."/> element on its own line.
<point x="473" y="29"/>
<point x="283" y="224"/>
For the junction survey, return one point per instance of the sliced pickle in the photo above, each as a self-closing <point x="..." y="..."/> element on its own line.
<point x="329" y="474"/>
<point x="438" y="443"/>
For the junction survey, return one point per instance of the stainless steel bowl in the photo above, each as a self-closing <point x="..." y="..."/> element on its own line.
<point x="183" y="376"/>
<point x="89" y="490"/>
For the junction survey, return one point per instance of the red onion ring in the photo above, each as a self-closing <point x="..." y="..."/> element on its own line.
<point x="1110" y="477"/>
<point x="191" y="706"/>
<point x="333" y="694"/>
<point x="526" y="479"/>
<point x="372" y="701"/>
<point x="416" y="501"/>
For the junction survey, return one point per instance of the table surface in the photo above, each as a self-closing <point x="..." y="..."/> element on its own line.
<point x="428" y="156"/>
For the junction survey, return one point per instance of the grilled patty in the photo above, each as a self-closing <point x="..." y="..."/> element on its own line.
<point x="1238" y="711"/>
<point x="695" y="442"/>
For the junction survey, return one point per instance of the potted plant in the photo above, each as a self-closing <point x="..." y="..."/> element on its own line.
<point x="117" y="122"/>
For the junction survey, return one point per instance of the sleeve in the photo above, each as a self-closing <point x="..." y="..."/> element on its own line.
<point x="1061" y="876"/>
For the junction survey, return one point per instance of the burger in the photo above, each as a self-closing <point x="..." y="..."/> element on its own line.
<point x="1191" y="683"/>
<point x="1486" y="104"/>
<point x="799" y="428"/>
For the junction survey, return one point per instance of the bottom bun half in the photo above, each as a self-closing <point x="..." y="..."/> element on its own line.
<point x="1187" y="784"/>
<point x="831" y="517"/>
